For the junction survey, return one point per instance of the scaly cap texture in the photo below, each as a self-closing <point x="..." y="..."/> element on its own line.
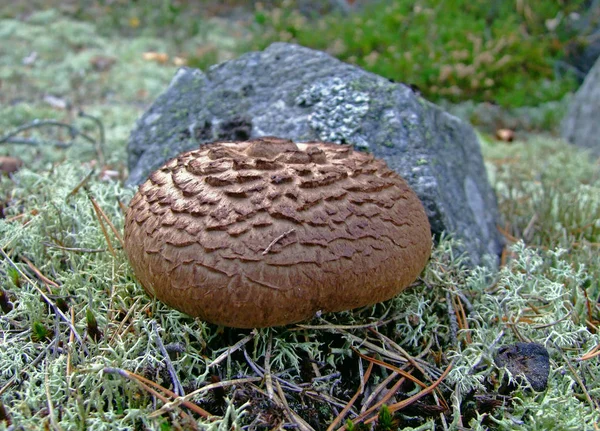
<point x="268" y="232"/>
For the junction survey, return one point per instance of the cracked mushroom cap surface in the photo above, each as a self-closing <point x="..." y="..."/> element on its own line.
<point x="268" y="232"/>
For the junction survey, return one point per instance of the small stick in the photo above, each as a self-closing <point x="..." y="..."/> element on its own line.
<point x="55" y="425"/>
<point x="104" y="231"/>
<point x="411" y="360"/>
<point x="453" y="320"/>
<point x="181" y="400"/>
<point x="148" y="384"/>
<point x="580" y="382"/>
<point x="127" y="315"/>
<point x="380" y="387"/>
<point x="392" y="368"/>
<point x="178" y="389"/>
<point x="385" y="353"/>
<point x="110" y="224"/>
<point x="81" y="184"/>
<point x="405" y="403"/>
<point x="353" y="399"/>
<point x="591" y="354"/>
<point x="334" y="327"/>
<point x="99" y="144"/>
<point x="268" y="379"/>
<point x="71" y="339"/>
<point x="463" y="322"/>
<point x="260" y="372"/>
<point x="34" y="143"/>
<point x="232" y="349"/>
<point x="47" y="282"/>
<point x="276" y="240"/>
<point x="75" y="249"/>
<point x="382" y="401"/>
<point x="48" y="300"/>
<point x="298" y="421"/>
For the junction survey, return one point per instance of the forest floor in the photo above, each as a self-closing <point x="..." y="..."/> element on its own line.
<point x="82" y="346"/>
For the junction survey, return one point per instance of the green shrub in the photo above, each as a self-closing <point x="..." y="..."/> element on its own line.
<point x="479" y="50"/>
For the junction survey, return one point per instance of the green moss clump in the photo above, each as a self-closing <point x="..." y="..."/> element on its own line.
<point x="461" y="50"/>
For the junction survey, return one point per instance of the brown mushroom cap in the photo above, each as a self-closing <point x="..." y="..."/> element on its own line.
<point x="268" y="232"/>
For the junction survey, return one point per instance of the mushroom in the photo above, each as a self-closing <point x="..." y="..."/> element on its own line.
<point x="268" y="232"/>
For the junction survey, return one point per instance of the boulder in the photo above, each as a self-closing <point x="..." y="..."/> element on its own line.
<point x="583" y="49"/>
<point x="581" y="126"/>
<point x="294" y="92"/>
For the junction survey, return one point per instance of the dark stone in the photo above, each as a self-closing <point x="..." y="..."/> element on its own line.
<point x="305" y="95"/>
<point x="584" y="48"/>
<point x="524" y="359"/>
<point x="581" y="126"/>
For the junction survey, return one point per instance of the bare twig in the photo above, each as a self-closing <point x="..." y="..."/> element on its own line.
<point x="53" y="422"/>
<point x="9" y="138"/>
<point x="580" y="382"/>
<point x="378" y="389"/>
<point x="402" y="404"/>
<point x="35" y="143"/>
<point x="148" y="384"/>
<point x="71" y="339"/>
<point x="268" y="378"/>
<point x="48" y="300"/>
<point x="101" y="214"/>
<point x="298" y="421"/>
<point x="335" y="327"/>
<point x="391" y="367"/>
<point x="591" y="354"/>
<point x="47" y="282"/>
<point x="181" y="400"/>
<point x="129" y="313"/>
<point x="276" y="240"/>
<point x="232" y="349"/>
<point x="453" y="320"/>
<point x="97" y="210"/>
<point x="99" y="144"/>
<point x="359" y="391"/>
<point x="178" y="389"/>
<point x="81" y="184"/>
<point x="75" y="249"/>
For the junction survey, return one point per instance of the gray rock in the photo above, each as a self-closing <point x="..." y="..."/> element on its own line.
<point x="524" y="359"/>
<point x="581" y="126"/>
<point x="583" y="49"/>
<point x="297" y="93"/>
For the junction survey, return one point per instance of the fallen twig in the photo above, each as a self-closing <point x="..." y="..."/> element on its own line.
<point x="148" y="384"/>
<point x="359" y="391"/>
<point x="47" y="282"/>
<point x="276" y="240"/>
<point x="48" y="300"/>
<point x="178" y="389"/>
<point x="232" y="349"/>
<point x="591" y="354"/>
<point x="180" y="400"/>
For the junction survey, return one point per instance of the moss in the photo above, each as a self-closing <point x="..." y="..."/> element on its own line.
<point x="52" y="221"/>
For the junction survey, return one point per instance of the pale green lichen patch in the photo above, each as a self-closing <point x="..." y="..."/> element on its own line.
<point x="61" y="236"/>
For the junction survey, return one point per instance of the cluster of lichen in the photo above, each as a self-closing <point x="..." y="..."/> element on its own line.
<point x="542" y="296"/>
